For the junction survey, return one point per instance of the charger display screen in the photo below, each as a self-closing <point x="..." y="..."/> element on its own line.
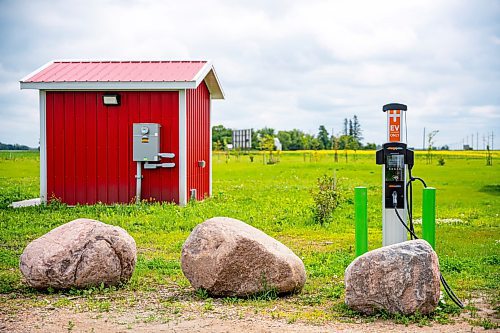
<point x="394" y="168"/>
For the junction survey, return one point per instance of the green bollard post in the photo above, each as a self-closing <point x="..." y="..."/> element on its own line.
<point x="429" y="216"/>
<point x="361" y="217"/>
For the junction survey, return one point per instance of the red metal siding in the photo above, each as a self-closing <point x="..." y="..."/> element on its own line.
<point x="198" y="140"/>
<point x="89" y="146"/>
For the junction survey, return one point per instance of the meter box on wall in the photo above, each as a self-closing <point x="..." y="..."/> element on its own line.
<point x="146" y="145"/>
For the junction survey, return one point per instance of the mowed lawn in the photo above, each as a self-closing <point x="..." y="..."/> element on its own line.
<point x="277" y="199"/>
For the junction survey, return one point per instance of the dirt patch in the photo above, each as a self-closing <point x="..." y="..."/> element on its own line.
<point x="64" y="320"/>
<point x="173" y="309"/>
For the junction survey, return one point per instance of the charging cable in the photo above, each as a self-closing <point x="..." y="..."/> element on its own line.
<point x="409" y="197"/>
<point x="446" y="287"/>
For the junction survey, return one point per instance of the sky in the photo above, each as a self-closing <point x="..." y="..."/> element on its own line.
<point x="283" y="64"/>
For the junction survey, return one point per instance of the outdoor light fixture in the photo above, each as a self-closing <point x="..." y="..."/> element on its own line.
<point x="111" y="99"/>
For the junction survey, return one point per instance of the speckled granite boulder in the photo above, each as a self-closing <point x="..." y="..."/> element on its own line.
<point x="400" y="278"/>
<point x="80" y="253"/>
<point x="228" y="257"/>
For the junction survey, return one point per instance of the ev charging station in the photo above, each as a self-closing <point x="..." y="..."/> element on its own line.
<point x="395" y="158"/>
<point x="397" y="161"/>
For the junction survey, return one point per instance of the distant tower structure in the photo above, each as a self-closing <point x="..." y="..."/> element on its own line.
<point x="242" y="139"/>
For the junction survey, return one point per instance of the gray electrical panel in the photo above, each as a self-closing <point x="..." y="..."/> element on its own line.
<point x="146" y="142"/>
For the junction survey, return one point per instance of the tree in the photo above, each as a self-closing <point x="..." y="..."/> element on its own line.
<point x="266" y="131"/>
<point x="307" y="141"/>
<point x="222" y="134"/>
<point x="430" y="143"/>
<point x="353" y="144"/>
<point x="335" y="144"/>
<point x="343" y="141"/>
<point x="255" y="139"/>
<point x="489" y="159"/>
<point x="370" y="146"/>
<point x="430" y="139"/>
<point x="344" y="144"/>
<point x="296" y="142"/>
<point x="15" y="146"/>
<point x="218" y="148"/>
<point x="315" y="143"/>
<point x="324" y="138"/>
<point x="266" y="143"/>
<point x="356" y="129"/>
<point x="351" y="139"/>
<point x="259" y="134"/>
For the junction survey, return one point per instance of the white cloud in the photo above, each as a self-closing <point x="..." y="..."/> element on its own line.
<point x="283" y="64"/>
<point x="488" y="112"/>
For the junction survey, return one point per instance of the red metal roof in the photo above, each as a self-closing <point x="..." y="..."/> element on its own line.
<point x="118" y="71"/>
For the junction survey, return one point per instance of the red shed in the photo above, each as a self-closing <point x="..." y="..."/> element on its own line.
<point x="114" y="130"/>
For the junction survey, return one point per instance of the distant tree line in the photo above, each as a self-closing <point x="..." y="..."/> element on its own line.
<point x="350" y="138"/>
<point x="7" y="146"/>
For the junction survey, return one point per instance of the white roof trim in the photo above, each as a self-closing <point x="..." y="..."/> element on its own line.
<point x="218" y="84"/>
<point x="36" y="71"/>
<point x="202" y="73"/>
<point x="100" y="85"/>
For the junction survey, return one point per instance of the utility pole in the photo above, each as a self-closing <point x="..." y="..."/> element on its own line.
<point x="423" y="141"/>
<point x="477" y="140"/>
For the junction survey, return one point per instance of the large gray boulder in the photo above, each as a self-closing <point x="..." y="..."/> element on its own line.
<point x="228" y="257"/>
<point x="80" y="253"/>
<point x="400" y="278"/>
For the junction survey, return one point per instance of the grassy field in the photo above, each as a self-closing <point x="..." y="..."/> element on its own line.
<point x="277" y="199"/>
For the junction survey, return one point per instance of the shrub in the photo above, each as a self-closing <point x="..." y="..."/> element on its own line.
<point x="327" y="196"/>
<point x="441" y="161"/>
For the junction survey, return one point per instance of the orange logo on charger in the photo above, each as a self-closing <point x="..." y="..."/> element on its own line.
<point x="394" y="126"/>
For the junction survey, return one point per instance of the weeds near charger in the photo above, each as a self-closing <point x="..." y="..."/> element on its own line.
<point x="486" y="323"/>
<point x="231" y="300"/>
<point x="209" y="304"/>
<point x="442" y="315"/>
<point x="71" y="325"/>
<point x="268" y="294"/>
<point x="202" y="293"/>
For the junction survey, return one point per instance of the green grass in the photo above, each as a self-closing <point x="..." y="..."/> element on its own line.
<point x="277" y="199"/>
<point x="19" y="176"/>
